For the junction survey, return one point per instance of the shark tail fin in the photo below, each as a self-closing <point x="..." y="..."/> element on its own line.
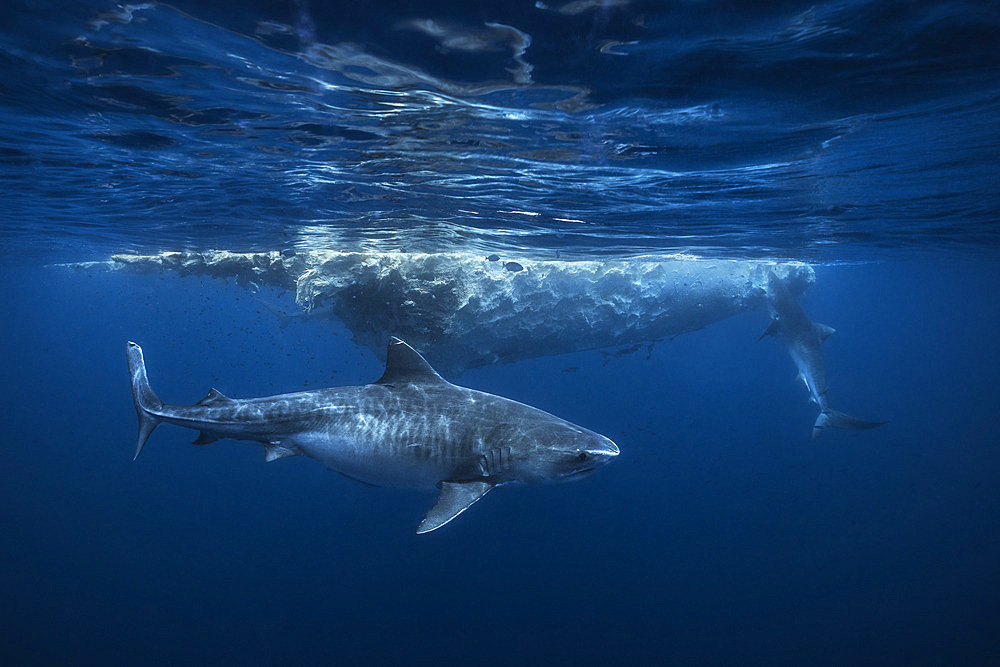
<point x="837" y="419"/>
<point x="146" y="402"/>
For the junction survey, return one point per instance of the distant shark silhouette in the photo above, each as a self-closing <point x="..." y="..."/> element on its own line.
<point x="804" y="340"/>
<point x="411" y="428"/>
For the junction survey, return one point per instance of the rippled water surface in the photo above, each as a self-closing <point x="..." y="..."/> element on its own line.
<point x="822" y="131"/>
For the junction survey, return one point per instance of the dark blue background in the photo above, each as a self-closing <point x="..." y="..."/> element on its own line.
<point x="722" y="534"/>
<point x="861" y="136"/>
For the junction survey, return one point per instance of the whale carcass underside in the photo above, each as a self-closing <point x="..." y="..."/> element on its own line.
<point x="465" y="311"/>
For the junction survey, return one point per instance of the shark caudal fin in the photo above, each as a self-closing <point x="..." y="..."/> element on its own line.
<point x="837" y="419"/>
<point x="142" y="394"/>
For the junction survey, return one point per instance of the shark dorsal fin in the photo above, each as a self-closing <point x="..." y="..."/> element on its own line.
<point x="823" y="331"/>
<point x="214" y="397"/>
<point x="404" y="365"/>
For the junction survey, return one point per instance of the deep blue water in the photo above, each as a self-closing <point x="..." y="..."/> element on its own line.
<point x="858" y="136"/>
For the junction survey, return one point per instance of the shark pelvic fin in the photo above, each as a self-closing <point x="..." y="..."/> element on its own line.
<point x="404" y="365"/>
<point x="275" y="452"/>
<point x="455" y="498"/>
<point x="771" y="330"/>
<point x="823" y="331"/>
<point x="214" y="397"/>
<point x="204" y="439"/>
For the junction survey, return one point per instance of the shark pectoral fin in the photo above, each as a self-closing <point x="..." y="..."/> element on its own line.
<point x="275" y="452"/>
<point x="823" y="331"/>
<point x="771" y="330"/>
<point x="838" y="419"/>
<point x="455" y="498"/>
<point x="204" y="439"/>
<point x="822" y="422"/>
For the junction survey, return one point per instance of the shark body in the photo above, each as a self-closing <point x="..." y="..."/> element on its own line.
<point x="804" y="340"/>
<point x="411" y="428"/>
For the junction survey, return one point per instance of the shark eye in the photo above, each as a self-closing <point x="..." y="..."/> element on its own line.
<point x="582" y="456"/>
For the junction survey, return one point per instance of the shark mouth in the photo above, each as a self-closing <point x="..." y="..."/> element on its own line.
<point x="577" y="474"/>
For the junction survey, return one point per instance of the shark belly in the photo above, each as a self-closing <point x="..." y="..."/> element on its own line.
<point x="379" y="462"/>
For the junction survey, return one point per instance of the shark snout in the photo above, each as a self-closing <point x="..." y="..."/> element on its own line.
<point x="603" y="449"/>
<point x="597" y="452"/>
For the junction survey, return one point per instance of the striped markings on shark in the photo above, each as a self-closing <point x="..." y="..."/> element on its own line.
<point x="410" y="428"/>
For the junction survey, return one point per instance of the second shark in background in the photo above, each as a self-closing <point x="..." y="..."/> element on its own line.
<point x="804" y="340"/>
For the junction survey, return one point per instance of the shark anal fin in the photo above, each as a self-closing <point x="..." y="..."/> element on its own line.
<point x="455" y="498"/>
<point x="771" y="330"/>
<point x="275" y="452"/>
<point x="214" y="397"/>
<point x="205" y="438"/>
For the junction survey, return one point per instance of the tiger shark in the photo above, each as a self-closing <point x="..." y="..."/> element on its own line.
<point x="804" y="340"/>
<point x="411" y="428"/>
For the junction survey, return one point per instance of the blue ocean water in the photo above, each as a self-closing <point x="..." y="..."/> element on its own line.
<point x="859" y="137"/>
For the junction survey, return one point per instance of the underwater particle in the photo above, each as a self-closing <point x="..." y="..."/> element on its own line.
<point x="513" y="267"/>
<point x="493" y="258"/>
